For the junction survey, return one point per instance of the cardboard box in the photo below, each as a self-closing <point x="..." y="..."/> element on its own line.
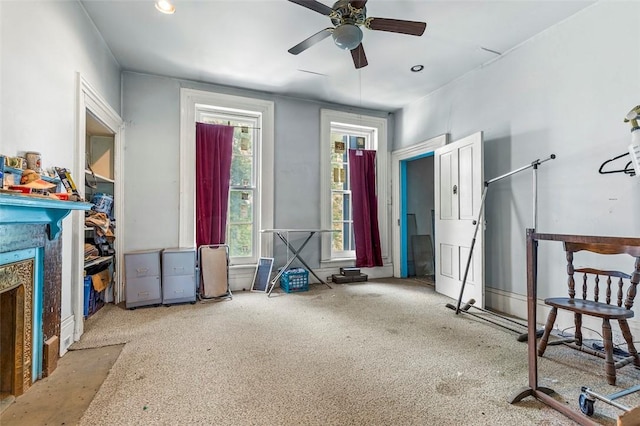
<point x="101" y="280"/>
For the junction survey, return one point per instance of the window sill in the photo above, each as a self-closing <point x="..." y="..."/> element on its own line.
<point x="241" y="266"/>
<point x="338" y="262"/>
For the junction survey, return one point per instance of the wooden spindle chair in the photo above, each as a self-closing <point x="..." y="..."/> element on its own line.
<point x="619" y="292"/>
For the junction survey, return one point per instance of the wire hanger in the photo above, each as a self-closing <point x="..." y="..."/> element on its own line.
<point x="627" y="169"/>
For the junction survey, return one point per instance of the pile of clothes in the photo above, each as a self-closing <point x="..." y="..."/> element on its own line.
<point x="90" y="252"/>
<point x="103" y="232"/>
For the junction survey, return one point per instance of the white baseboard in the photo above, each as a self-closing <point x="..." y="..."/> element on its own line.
<point x="516" y="305"/>
<point x="66" y="334"/>
<point x="241" y="277"/>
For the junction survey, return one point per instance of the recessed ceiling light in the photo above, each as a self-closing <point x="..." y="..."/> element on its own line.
<point x="165" y="6"/>
<point x="417" y="68"/>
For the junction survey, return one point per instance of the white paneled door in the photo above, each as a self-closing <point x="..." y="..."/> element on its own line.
<point x="458" y="195"/>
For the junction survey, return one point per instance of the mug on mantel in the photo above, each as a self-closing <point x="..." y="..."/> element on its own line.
<point x="33" y="161"/>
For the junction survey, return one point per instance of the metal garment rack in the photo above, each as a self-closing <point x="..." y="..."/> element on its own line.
<point x="588" y="398"/>
<point x="535" y="164"/>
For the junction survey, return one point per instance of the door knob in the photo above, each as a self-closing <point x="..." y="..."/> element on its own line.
<point x="455" y="189"/>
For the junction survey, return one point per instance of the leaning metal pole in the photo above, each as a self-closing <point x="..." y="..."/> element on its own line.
<point x="477" y="222"/>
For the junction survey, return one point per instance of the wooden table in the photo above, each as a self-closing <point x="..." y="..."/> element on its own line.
<point x="539" y="392"/>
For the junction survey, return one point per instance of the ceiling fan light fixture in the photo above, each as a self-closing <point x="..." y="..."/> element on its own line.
<point x="347" y="36"/>
<point x="165" y="6"/>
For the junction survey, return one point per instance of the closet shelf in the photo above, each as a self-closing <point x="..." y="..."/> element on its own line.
<point x="98" y="178"/>
<point x="97" y="261"/>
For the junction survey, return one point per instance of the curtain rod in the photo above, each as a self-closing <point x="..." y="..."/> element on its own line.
<point x="229" y="124"/>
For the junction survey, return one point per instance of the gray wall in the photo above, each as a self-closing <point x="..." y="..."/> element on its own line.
<point x="566" y="91"/>
<point x="42" y="47"/>
<point x="151" y="110"/>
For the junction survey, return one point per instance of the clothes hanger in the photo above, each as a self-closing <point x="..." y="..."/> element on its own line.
<point x="627" y="169"/>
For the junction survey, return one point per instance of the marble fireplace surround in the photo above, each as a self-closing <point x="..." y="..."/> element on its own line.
<point x="30" y="246"/>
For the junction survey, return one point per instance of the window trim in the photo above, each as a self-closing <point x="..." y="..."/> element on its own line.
<point x="189" y="98"/>
<point x="327" y="117"/>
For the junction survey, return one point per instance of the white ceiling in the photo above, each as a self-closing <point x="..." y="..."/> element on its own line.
<point x="244" y="43"/>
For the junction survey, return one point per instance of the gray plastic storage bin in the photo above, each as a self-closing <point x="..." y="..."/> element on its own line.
<point x="142" y="275"/>
<point x="178" y="275"/>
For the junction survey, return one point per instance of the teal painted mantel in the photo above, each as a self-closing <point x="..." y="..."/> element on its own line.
<point x="21" y="209"/>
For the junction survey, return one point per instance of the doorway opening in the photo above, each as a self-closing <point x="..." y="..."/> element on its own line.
<point x="413" y="195"/>
<point x="417" y="225"/>
<point x="99" y="133"/>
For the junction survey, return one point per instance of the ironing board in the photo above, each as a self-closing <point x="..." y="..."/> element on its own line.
<point x="283" y="234"/>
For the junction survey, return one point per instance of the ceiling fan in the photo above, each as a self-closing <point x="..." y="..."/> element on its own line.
<point x="347" y="16"/>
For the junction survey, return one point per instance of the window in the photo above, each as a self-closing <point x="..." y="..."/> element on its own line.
<point x="251" y="186"/>
<point x="339" y="133"/>
<point x="242" y="212"/>
<point x="343" y="138"/>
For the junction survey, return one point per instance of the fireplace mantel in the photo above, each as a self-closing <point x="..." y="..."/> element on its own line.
<point x="21" y="209"/>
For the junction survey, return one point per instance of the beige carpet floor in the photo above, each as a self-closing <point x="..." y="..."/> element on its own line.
<point x="377" y="353"/>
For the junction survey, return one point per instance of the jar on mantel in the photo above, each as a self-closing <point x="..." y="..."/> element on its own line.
<point x="34" y="161"/>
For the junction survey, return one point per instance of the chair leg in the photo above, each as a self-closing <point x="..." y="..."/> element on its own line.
<point x="609" y="365"/>
<point x="626" y="333"/>
<point x="551" y="319"/>
<point x="577" y="318"/>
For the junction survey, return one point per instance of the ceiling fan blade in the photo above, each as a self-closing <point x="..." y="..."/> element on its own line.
<point x="359" y="58"/>
<point x="397" y="26"/>
<point x="307" y="43"/>
<point x="314" y="5"/>
<point x="358" y="4"/>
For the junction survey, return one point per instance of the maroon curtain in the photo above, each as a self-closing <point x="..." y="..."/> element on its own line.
<point x="362" y="173"/>
<point x="214" y="145"/>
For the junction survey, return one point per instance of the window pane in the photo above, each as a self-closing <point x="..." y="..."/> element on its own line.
<point x="339" y="177"/>
<point x="337" y="207"/>
<point x="241" y="170"/>
<point x="242" y="157"/>
<point x="243" y="139"/>
<point x="346" y="229"/>
<point x="340" y="207"/>
<point x="336" y="243"/>
<point x="240" y="206"/>
<point x="343" y="240"/>
<point x="357" y="142"/>
<point x="350" y="243"/>
<point x="346" y="206"/>
<point x="241" y="241"/>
